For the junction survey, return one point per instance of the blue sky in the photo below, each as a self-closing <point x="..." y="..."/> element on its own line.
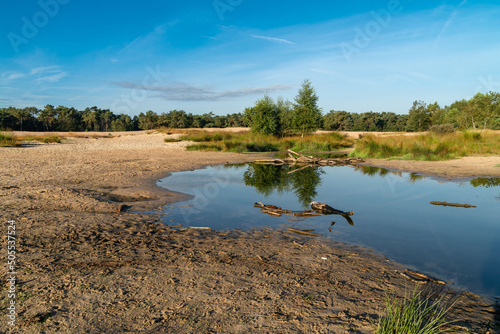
<point x="222" y="55"/>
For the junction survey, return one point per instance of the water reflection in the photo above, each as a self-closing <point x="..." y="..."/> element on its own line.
<point x="486" y="182"/>
<point x="266" y="179"/>
<point x="391" y="211"/>
<point x="304" y="181"/>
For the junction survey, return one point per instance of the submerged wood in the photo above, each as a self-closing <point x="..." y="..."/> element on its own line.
<point x="300" y="159"/>
<point x="328" y="210"/>
<point x="304" y="232"/>
<point x="453" y="204"/>
<point x="276" y="211"/>
<point x="420" y="278"/>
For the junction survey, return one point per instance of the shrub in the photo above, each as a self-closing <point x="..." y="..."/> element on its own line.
<point x="442" y="129"/>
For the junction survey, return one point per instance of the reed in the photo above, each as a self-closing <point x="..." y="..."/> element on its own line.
<point x="251" y="142"/>
<point x="429" y="146"/>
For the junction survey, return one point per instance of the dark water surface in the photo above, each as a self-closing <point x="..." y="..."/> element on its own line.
<point x="392" y="213"/>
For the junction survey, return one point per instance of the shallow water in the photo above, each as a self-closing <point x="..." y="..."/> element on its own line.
<point x="392" y="213"/>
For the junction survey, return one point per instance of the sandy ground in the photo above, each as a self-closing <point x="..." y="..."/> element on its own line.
<point x="82" y="266"/>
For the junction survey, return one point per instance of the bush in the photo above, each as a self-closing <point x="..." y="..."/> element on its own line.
<point x="442" y="129"/>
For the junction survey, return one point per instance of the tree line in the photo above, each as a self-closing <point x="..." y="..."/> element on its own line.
<point x="480" y="112"/>
<point x="267" y="116"/>
<point x="62" y="118"/>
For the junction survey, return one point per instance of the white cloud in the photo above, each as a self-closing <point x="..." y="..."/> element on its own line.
<point x="45" y="69"/>
<point x="52" y="78"/>
<point x="179" y="91"/>
<point x="13" y="75"/>
<point x="273" y="39"/>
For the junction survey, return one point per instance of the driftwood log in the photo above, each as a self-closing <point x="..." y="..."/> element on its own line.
<point x="328" y="210"/>
<point x="304" y="232"/>
<point x="420" y="278"/>
<point x="295" y="158"/>
<point x="319" y="209"/>
<point x="273" y="210"/>
<point x="453" y="204"/>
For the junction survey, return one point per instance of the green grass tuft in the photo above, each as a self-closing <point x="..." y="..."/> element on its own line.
<point x="51" y="139"/>
<point x="8" y="141"/>
<point x="172" y="140"/>
<point x="415" y="314"/>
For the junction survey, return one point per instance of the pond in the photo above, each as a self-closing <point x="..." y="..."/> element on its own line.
<point x="392" y="213"/>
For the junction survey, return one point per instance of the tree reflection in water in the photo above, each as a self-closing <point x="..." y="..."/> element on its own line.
<point x="284" y="178"/>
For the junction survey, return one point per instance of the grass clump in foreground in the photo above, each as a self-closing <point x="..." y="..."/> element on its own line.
<point x="250" y="142"/>
<point x="172" y="140"/>
<point x="51" y="139"/>
<point x="429" y="146"/>
<point x="415" y="314"/>
<point x="8" y="141"/>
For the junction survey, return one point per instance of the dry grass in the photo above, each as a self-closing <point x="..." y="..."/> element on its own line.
<point x="8" y="141"/>
<point x="429" y="146"/>
<point x="251" y="142"/>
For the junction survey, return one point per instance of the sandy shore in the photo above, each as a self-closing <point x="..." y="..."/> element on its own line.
<point x="82" y="266"/>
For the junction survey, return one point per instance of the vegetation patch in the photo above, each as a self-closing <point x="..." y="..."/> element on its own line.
<point x="8" y="141"/>
<point x="252" y="142"/>
<point x="172" y="140"/>
<point x="415" y="314"/>
<point x="429" y="146"/>
<point x="51" y="139"/>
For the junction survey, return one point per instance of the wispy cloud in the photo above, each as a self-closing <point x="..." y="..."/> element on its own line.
<point x="52" y="78"/>
<point x="448" y="23"/>
<point x="46" y="69"/>
<point x="12" y="75"/>
<point x="273" y="39"/>
<point x="179" y="91"/>
<point x="126" y="47"/>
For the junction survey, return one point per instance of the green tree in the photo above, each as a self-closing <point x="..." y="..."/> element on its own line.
<point x="23" y="115"/>
<point x="7" y="119"/>
<point x="419" y="118"/>
<point x="285" y="114"/>
<point x="148" y="121"/>
<point x="47" y="116"/>
<point x="264" y="117"/>
<point x="338" y="121"/>
<point x="306" y="113"/>
<point x="69" y="119"/>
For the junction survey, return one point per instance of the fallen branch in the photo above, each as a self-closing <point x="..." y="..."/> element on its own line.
<point x="304" y="232"/>
<point x="453" y="204"/>
<point x="420" y="278"/>
<point x="328" y="210"/>
<point x="297" y="158"/>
